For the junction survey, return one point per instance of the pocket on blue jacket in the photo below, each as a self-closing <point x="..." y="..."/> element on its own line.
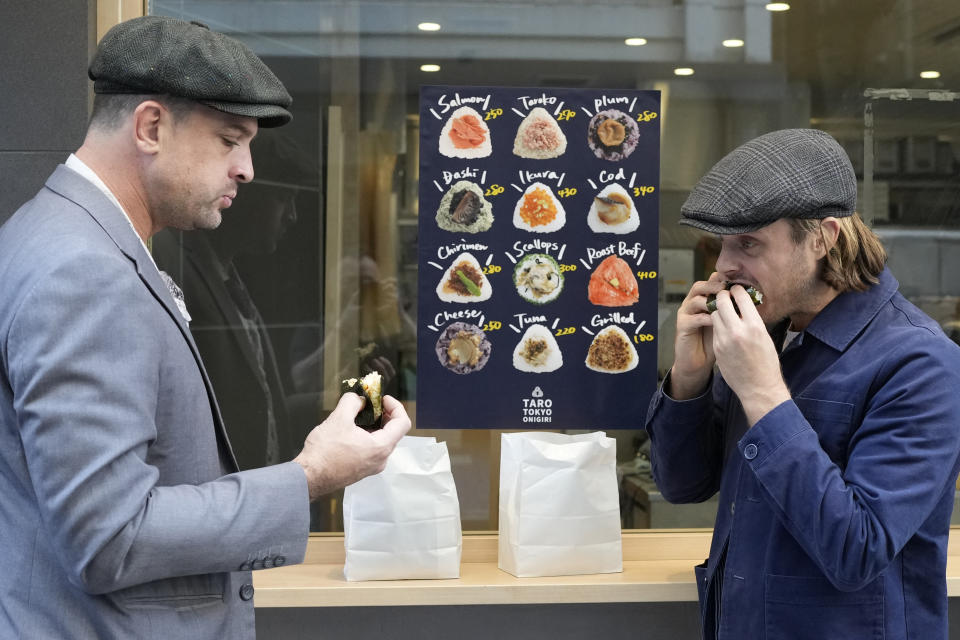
<point x="801" y="608"/>
<point x="832" y="422"/>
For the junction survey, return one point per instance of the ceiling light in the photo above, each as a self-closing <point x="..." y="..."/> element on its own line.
<point x="777" y="6"/>
<point x="428" y="26"/>
<point x="733" y="42"/>
<point x="635" y="42"/>
<point x="430" y="68"/>
<point x="929" y="75"/>
<point x="683" y="71"/>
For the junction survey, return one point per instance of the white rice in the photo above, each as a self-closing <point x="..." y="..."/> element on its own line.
<point x="449" y="296"/>
<point x="446" y="145"/>
<point x="627" y="226"/>
<point x="553" y="225"/>
<point x="554" y="358"/>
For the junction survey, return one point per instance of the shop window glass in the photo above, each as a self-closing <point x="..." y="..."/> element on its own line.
<point x="312" y="277"/>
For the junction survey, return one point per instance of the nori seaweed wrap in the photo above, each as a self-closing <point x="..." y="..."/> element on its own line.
<point x="368" y="388"/>
<point x="755" y="295"/>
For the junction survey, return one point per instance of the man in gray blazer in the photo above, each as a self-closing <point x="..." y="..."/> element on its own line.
<point x="122" y="511"/>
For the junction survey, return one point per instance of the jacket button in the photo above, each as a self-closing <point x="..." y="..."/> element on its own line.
<point x="750" y="451"/>
<point x="279" y="561"/>
<point x="732" y="507"/>
<point x="246" y="592"/>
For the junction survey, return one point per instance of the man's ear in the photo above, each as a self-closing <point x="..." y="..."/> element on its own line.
<point x="149" y="119"/>
<point x="829" y="232"/>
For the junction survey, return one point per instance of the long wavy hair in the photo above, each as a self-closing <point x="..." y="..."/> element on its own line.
<point x="857" y="258"/>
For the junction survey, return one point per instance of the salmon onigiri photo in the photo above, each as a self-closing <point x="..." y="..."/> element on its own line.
<point x="465" y="135"/>
<point x="612" y="284"/>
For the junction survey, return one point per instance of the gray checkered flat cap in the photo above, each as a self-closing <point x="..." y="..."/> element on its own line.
<point x="793" y="173"/>
<point x="161" y="55"/>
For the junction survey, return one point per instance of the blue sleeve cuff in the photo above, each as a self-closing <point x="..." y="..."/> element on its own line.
<point x="782" y="423"/>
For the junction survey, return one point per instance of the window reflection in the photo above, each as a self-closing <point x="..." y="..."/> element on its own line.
<point x="335" y="295"/>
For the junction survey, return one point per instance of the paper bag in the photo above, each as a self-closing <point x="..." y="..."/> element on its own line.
<point x="559" y="504"/>
<point x="404" y="522"/>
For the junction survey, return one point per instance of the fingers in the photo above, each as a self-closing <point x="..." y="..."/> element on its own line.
<point x="744" y="309"/>
<point x="396" y="425"/>
<point x="748" y="310"/>
<point x="696" y="300"/>
<point x="350" y="404"/>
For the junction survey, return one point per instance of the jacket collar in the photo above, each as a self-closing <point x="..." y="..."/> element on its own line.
<point x="74" y="187"/>
<point x="849" y="313"/>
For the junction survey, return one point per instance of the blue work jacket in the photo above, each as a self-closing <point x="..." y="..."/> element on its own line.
<point x="834" y="509"/>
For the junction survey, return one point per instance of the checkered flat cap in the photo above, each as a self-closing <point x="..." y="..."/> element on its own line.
<point x="792" y="173"/>
<point x="162" y="55"/>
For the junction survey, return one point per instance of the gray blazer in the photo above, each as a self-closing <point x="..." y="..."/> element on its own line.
<point x="121" y="511"/>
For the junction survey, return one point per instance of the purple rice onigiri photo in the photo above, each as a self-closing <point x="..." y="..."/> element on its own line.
<point x="612" y="135"/>
<point x="463" y="348"/>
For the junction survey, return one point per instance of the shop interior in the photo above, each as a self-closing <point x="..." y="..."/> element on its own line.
<point x="338" y="290"/>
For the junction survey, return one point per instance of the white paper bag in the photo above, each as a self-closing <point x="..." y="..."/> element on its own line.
<point x="404" y="522"/>
<point x="559" y="504"/>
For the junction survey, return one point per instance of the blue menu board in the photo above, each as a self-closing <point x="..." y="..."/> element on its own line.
<point x="538" y="246"/>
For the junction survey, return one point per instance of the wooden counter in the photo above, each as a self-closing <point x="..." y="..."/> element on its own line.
<point x="657" y="567"/>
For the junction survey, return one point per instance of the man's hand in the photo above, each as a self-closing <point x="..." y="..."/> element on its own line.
<point x="746" y="355"/>
<point x="337" y="452"/>
<point x="693" y="348"/>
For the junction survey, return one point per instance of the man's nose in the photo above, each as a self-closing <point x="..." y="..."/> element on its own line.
<point x="242" y="170"/>
<point x="726" y="265"/>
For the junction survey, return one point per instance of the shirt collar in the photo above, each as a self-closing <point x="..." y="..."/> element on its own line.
<point x="845" y="316"/>
<point x="80" y="167"/>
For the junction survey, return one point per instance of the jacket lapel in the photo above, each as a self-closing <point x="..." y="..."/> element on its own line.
<point x="115" y="224"/>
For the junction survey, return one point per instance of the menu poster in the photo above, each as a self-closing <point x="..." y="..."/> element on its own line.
<point x="538" y="252"/>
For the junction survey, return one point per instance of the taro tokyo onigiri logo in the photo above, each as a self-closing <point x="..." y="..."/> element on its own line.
<point x="536" y="408"/>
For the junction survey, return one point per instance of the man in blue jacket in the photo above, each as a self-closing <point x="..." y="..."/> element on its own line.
<point x="827" y="417"/>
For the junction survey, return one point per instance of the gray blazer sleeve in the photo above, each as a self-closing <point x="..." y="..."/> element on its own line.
<point x="120" y="442"/>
